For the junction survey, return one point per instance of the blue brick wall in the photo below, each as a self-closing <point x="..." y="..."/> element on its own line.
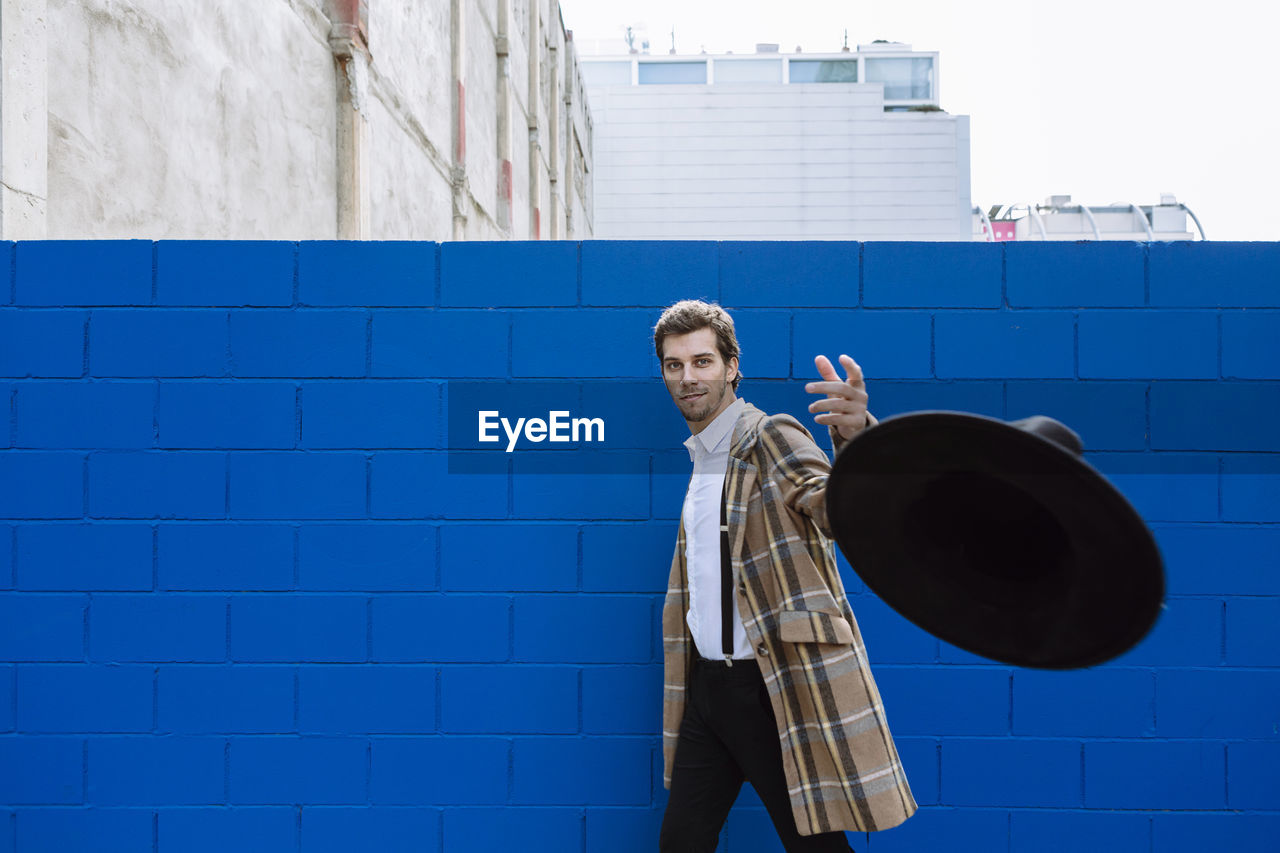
<point x="245" y="603"/>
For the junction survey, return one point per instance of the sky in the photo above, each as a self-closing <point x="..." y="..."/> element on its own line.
<point x="1103" y="100"/>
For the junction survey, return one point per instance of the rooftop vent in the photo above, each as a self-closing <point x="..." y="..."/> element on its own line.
<point x="765" y="47"/>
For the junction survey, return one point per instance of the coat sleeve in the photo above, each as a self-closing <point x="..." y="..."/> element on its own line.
<point x="793" y="460"/>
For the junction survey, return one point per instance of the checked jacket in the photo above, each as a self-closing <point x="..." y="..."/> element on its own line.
<point x="841" y="764"/>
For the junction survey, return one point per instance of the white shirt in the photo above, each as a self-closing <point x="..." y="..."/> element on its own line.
<point x="709" y="451"/>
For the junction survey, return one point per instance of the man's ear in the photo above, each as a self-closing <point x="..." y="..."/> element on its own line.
<point x="732" y="363"/>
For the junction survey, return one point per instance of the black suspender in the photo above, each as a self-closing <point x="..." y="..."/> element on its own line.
<point x="726" y="578"/>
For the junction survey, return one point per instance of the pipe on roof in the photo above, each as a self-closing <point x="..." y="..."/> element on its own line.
<point x="1194" y="219"/>
<point x="987" y="227"/>
<point x="1097" y="235"/>
<point x="1142" y="216"/>
<point x="1035" y="217"/>
<point x="1038" y="220"/>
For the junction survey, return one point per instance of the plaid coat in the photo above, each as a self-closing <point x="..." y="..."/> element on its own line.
<point x="841" y="764"/>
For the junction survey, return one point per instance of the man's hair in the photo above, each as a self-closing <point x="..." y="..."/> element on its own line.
<point x="691" y="315"/>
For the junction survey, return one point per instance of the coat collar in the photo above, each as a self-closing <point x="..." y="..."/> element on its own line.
<point x="741" y="476"/>
<point x="745" y="432"/>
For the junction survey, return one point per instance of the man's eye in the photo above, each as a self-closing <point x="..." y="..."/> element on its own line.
<point x="704" y="361"/>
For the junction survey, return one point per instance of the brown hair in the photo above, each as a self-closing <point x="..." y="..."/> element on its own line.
<point x="690" y="315"/>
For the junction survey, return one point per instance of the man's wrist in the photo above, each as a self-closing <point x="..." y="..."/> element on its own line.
<point x="838" y="441"/>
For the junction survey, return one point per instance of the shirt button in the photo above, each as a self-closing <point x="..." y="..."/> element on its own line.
<point x="761" y="649"/>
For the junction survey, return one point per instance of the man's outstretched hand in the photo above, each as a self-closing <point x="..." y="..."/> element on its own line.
<point x="845" y="406"/>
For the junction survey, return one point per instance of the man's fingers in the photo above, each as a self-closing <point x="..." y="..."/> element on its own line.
<point x="840" y="419"/>
<point x="845" y="406"/>
<point x="842" y="389"/>
<point x="852" y="372"/>
<point x="837" y="404"/>
<point x="825" y="369"/>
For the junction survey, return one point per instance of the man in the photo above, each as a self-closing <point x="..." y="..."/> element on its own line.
<point x="770" y="684"/>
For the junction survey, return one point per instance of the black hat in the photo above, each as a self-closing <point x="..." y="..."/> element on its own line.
<point x="996" y="537"/>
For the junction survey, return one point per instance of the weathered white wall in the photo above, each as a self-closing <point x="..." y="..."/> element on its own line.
<point x="410" y="124"/>
<point x="540" y="159"/>
<point x="409" y="192"/>
<point x="24" y="113"/>
<point x="518" y="69"/>
<point x="217" y="119"/>
<point x="410" y="44"/>
<point x="210" y="119"/>
<point x="764" y="161"/>
<point x="581" y="159"/>
<point x="482" y="119"/>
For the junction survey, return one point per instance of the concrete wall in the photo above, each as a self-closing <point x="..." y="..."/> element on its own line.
<point x="24" y="109"/>
<point x="209" y="120"/>
<point x="245" y="603"/>
<point x="220" y="119"/>
<point x="410" y="121"/>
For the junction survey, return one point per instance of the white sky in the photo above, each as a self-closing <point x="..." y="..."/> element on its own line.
<point x="1106" y="100"/>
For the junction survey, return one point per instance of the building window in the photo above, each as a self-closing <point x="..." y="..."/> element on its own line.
<point x="607" y="73"/>
<point x="673" y="72"/>
<point x="905" y="79"/>
<point x="748" y="71"/>
<point x="824" y="71"/>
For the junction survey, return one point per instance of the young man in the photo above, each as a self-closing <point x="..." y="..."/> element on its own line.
<point x="770" y="683"/>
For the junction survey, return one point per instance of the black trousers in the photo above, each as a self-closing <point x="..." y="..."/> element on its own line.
<point x="729" y="736"/>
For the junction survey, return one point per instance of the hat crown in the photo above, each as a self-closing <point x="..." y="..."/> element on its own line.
<point x="1051" y="430"/>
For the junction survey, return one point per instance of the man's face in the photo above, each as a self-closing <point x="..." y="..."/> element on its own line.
<point x="697" y="377"/>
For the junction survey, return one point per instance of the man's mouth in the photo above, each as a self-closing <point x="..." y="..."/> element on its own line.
<point x="694" y="396"/>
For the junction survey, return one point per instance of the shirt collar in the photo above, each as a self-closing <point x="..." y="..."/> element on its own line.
<point x="718" y="432"/>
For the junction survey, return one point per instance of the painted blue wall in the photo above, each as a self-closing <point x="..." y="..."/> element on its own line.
<point x="245" y="605"/>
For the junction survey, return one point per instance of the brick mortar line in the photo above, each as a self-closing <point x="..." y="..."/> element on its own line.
<point x="1146" y="274"/>
<point x="155" y="271"/>
<point x="296" y="275"/>
<point x="1004" y="275"/>
<point x="437" y="276"/>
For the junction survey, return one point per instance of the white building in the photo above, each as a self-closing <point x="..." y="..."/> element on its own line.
<point x="840" y="146"/>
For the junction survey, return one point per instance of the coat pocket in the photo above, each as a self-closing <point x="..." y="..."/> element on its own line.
<point x="813" y="626"/>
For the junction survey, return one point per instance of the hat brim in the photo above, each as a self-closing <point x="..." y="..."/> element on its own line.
<point x="996" y="540"/>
